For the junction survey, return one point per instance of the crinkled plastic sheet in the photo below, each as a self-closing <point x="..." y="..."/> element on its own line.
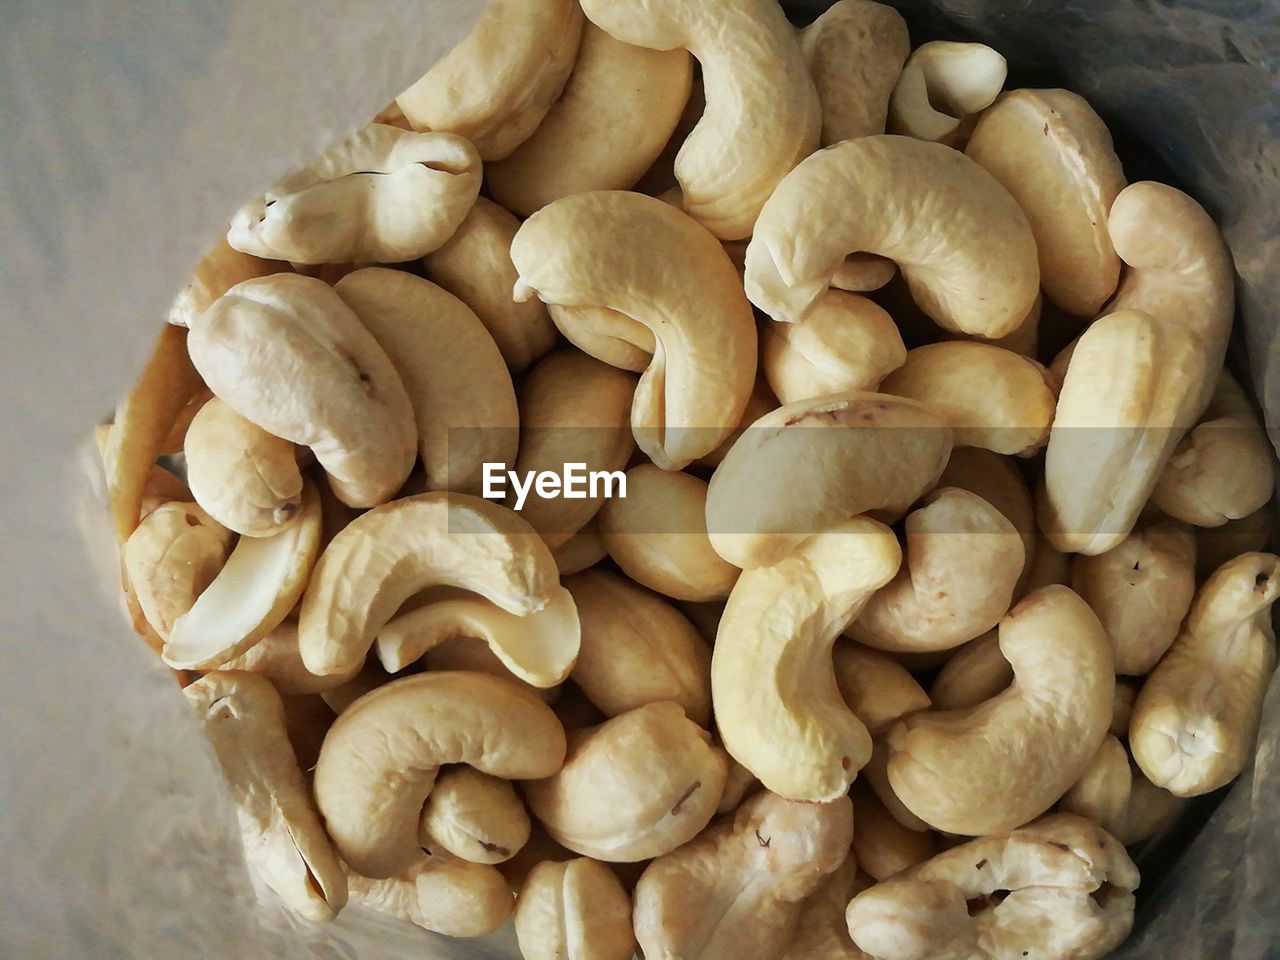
<point x="128" y="133"/>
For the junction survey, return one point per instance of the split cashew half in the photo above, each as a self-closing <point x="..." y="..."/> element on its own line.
<point x="640" y="257"/>
<point x="963" y="245"/>
<point x="943" y="86"/>
<point x="574" y="910"/>
<point x="475" y="817"/>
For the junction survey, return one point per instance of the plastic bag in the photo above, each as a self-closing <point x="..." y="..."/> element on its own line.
<point x="131" y="133"/>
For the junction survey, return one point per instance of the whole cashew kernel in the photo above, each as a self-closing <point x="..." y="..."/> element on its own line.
<point x="284" y="841"/>
<point x="1216" y="545"/>
<point x="575" y="910"/>
<point x="635" y="787"/>
<point x="216" y="272"/>
<point x="994" y="766"/>
<point x="1195" y="721"/>
<point x="385" y="195"/>
<point x="963" y="245"/>
<point x="976" y="672"/>
<point x="877" y="689"/>
<point x="640" y="257"/>
<point x="475" y="817"/>
<point x="738" y="890"/>
<point x="287" y="354"/>
<point x="821" y="932"/>
<point x="942" y="86"/>
<point x="881" y="844"/>
<point x="277" y="657"/>
<point x="773" y="684"/>
<point x="583" y="550"/>
<point x="762" y="114"/>
<point x="998" y="481"/>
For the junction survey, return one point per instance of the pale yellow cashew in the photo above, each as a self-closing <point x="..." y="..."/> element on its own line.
<point x="859" y="272"/>
<point x="976" y="672"/>
<point x="619" y="108"/>
<point x="392" y="552"/>
<point x="869" y="451"/>
<point x="380" y="759"/>
<point x="607" y="335"/>
<point x="287" y="354"/>
<point x="285" y="843"/>
<point x="1116" y="796"/>
<point x="821" y="932"/>
<point x="777" y="705"/>
<point x="276" y="657"/>
<point x="998" y="481"/>
<point x="878" y="689"/>
<point x="638" y="256"/>
<point x="576" y="910"/>
<point x="759" y="403"/>
<point x="996" y="765"/>
<point x="216" y="272"/>
<point x="943" y="85"/>
<point x="876" y="775"/>
<point x="762" y="115"/>
<point x="963" y="245"/>
<point x="470" y="653"/>
<point x="1054" y="154"/>
<point x="1195" y="721"/>
<point x="497" y="85"/>
<point x="385" y="195"/>
<point x="475" y="817"/>
<point x="1216" y="545"/>
<point x="881" y="844"/>
<point x="855" y="52"/>
<point x="635" y="787"/>
<point x="458" y="384"/>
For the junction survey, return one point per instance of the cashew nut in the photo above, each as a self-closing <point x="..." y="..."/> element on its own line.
<point x="475" y="817"/>
<point x="773" y="685"/>
<point x="284" y="840"/>
<point x="881" y="844"/>
<point x="607" y="335"/>
<point x="996" y="765"/>
<point x="497" y="85"/>
<point x="942" y="86"/>
<point x="877" y="689"/>
<point x="821" y="932"/>
<point x="858" y="272"/>
<point x="876" y="775"/>
<point x="738" y="890"/>
<point x="584" y="549"/>
<point x="457" y="381"/>
<point x="976" y="672"/>
<point x="963" y="245"/>
<point x="640" y="257"/>
<point x="1216" y="545"/>
<point x="217" y="272"/>
<point x="1140" y="590"/>
<point x="276" y="657"/>
<point x="576" y="910"/>
<point x="1195" y="721"/>
<point x="287" y="354"/>
<point x="998" y="481"/>
<point x="1119" y="798"/>
<point x="759" y="403"/>
<point x="385" y="195"/>
<point x="867" y="451"/>
<point x="380" y="758"/>
<point x="471" y="653"/>
<point x="855" y="52"/>
<point x="619" y="108"/>
<point x="1054" y="154"/>
<point x="657" y="534"/>
<point x="634" y="787"/>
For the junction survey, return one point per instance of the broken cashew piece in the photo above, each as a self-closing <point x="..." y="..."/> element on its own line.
<point x="996" y="765"/>
<point x="574" y="910"/>
<point x="964" y="247"/>
<point x="1195" y="722"/>
<point x="475" y="817"/>
<point x="878" y="689"/>
<point x="779" y="710"/>
<point x="216" y="272"/>
<point x="284" y="840"/>
<point x="385" y="195"/>
<point x="942" y="86"/>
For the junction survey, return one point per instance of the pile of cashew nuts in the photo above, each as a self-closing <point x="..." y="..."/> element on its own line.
<point x="937" y="583"/>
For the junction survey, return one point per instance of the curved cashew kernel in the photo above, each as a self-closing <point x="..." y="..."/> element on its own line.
<point x="392" y="552"/>
<point x="1031" y="742"/>
<point x="1224" y="469"/>
<point x="475" y="817"/>
<point x="244" y="477"/>
<point x="845" y="343"/>
<point x="998" y="481"/>
<point x="217" y="272"/>
<point x="619" y="108"/>
<point x="976" y="672"/>
<point x="881" y="844"/>
<point x="632" y="788"/>
<point x="994" y="398"/>
<point x="963" y="560"/>
<point x="637" y="649"/>
<point x="1216" y="545"/>
<point x="475" y="266"/>
<point x="254" y="591"/>
<point x="584" y="549"/>
<point x="1129" y="395"/>
<point x="877" y="689"/>
<point x="657" y="534"/>
<point x="1069" y="895"/>
<point x="963" y="245"/>
<point x="171" y="558"/>
<point x="869" y="451"/>
<point x="284" y="841"/>
<point x="855" y="52"/>
<point x="773" y="685"/>
<point x="276" y="657"/>
<point x="762" y="114"/>
<point x="574" y="911"/>
<point x="1140" y="590"/>
<point x="573" y="409"/>
<point x="457" y="381"/>
<point x="859" y="272"/>
<point x="1054" y="154"/>
<point x="609" y="336"/>
<point x="640" y="257"/>
<point x="385" y="195"/>
<point x="821" y="932"/>
<point x="441" y="893"/>
<point x="759" y="403"/>
<point x="943" y="84"/>
<point x="1152" y="809"/>
<point x="287" y="354"/>
<point x="497" y="85"/>
<point x="1195" y="721"/>
<point x="737" y="890"/>
<point x="380" y="759"/>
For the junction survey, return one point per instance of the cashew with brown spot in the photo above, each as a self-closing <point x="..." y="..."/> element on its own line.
<point x="943" y="86"/>
<point x="574" y="910"/>
<point x="475" y="817"/>
<point x="877" y="689"/>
